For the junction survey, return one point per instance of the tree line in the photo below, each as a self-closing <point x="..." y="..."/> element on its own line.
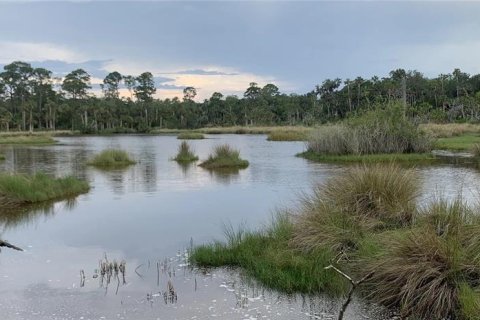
<point x="32" y="98"/>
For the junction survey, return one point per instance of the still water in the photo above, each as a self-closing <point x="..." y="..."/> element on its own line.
<point x="148" y="215"/>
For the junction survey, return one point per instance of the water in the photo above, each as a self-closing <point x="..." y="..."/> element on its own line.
<point x="151" y="212"/>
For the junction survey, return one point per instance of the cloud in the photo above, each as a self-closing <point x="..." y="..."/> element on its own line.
<point x="205" y="72"/>
<point x="32" y="51"/>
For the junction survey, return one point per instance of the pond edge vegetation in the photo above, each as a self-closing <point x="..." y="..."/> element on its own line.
<point x="422" y="261"/>
<point x="185" y="153"/>
<point x="17" y="190"/>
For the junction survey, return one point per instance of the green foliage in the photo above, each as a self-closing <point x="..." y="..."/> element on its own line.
<point x="111" y="158"/>
<point x="22" y="189"/>
<point x="404" y="158"/>
<point x="380" y="131"/>
<point x="2" y="157"/>
<point x="185" y="153"/>
<point x="190" y="136"/>
<point x="26" y="139"/>
<point x="223" y="157"/>
<point x="458" y="143"/>
<point x="267" y="256"/>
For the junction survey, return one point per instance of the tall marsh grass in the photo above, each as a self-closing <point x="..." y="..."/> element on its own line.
<point x="190" y="136"/>
<point x="375" y="132"/>
<point x="185" y="153"/>
<point x="224" y="156"/>
<point x="111" y="158"/>
<point x="23" y="189"/>
<point x="362" y="199"/>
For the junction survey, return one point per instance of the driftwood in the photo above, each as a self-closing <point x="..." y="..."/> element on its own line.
<point x="352" y="289"/>
<point x="6" y="244"/>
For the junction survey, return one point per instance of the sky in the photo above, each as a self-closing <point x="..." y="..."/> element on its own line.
<point x="223" y="46"/>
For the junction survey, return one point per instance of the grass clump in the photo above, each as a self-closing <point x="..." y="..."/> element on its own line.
<point x="111" y="158"/>
<point x="190" y="136"/>
<point x="381" y="131"/>
<point x="22" y="189"/>
<point x="431" y="270"/>
<point x="185" y="153"/>
<point x="361" y="200"/>
<point x="2" y="157"/>
<point x="266" y="255"/>
<point x="224" y="157"/>
<point x="284" y="135"/>
<point x="26" y="139"/>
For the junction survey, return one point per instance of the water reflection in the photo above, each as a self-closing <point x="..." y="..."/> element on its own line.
<point x="28" y="214"/>
<point x="224" y="175"/>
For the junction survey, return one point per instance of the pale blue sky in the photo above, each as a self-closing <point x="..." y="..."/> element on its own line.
<point x="223" y="46"/>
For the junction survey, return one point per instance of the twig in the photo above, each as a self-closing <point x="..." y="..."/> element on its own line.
<point x="137" y="272"/>
<point x="6" y="244"/>
<point x="352" y="289"/>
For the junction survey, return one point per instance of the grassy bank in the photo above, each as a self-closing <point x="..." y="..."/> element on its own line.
<point x="424" y="260"/>
<point x="266" y="255"/>
<point x="464" y="142"/>
<point x="185" y="153"/>
<point x="36" y="139"/>
<point x="286" y="135"/>
<point x="190" y="136"/>
<point x="224" y="157"/>
<point x="236" y="130"/>
<point x="413" y="158"/>
<point x="449" y="129"/>
<point x="111" y="158"/>
<point x="18" y="190"/>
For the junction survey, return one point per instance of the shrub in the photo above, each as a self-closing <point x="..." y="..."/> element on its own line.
<point x="111" y="158"/>
<point x="224" y="156"/>
<point x="185" y="153"/>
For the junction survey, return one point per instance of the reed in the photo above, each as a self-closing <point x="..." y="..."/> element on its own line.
<point x="190" y="136"/>
<point x="111" y="158"/>
<point x="223" y="157"/>
<point x="185" y="153"/>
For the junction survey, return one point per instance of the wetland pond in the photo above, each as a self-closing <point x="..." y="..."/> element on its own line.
<point x="148" y="215"/>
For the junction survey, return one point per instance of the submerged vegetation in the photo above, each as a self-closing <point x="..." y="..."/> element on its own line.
<point x="111" y="158"/>
<point x="224" y="157"/>
<point x="185" y="153"/>
<point x="421" y="261"/>
<point x="18" y="190"/>
<point x="190" y="136"/>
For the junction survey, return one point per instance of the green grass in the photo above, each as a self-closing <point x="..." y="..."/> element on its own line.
<point x="464" y="142"/>
<point x="111" y="158"/>
<point x="284" y="135"/>
<point x="185" y="153"/>
<point x="26" y="139"/>
<point x="22" y="189"/>
<point x="224" y="157"/>
<point x="190" y="136"/>
<point x="2" y="157"/>
<point x="415" y="158"/>
<point x="267" y="256"/>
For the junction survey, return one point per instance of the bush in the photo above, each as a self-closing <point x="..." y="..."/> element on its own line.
<point x="111" y="158"/>
<point x="374" y="132"/>
<point x="185" y="153"/>
<point x="22" y="189"/>
<point x="224" y="156"/>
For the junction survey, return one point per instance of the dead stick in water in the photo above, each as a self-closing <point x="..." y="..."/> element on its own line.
<point x="352" y="289"/>
<point x="6" y="244"/>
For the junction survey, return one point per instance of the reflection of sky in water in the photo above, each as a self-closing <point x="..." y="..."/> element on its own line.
<point x="150" y="211"/>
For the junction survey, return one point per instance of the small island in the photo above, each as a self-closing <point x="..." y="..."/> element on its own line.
<point x="224" y="157"/>
<point x="111" y="158"/>
<point x="185" y="153"/>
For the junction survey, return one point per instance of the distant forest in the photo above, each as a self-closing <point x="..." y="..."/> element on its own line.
<point x="32" y="99"/>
